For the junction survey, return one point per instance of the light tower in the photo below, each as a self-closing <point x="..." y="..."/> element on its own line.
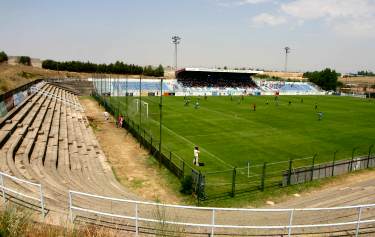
<point x="287" y="50"/>
<point x="175" y="40"/>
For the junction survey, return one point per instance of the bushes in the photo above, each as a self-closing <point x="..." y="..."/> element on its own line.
<point x="115" y="68"/>
<point x="13" y="221"/>
<point x="187" y="185"/>
<point x="16" y="221"/>
<point x="25" y="60"/>
<point x="3" y="57"/>
<point x="326" y="79"/>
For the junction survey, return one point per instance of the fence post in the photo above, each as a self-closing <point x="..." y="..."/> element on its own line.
<point x="248" y="169"/>
<point x="290" y="171"/>
<point x="290" y="222"/>
<point x="183" y="169"/>
<point x="312" y="167"/>
<point x="234" y="182"/>
<point x="42" y="201"/>
<point x="70" y="207"/>
<point x="358" y="221"/>
<point x="333" y="162"/>
<point x="350" y="167"/>
<point x="136" y="219"/>
<point x="263" y="176"/>
<point x="213" y="223"/>
<point x="2" y="187"/>
<point x="199" y="186"/>
<point x="139" y="136"/>
<point x="369" y="155"/>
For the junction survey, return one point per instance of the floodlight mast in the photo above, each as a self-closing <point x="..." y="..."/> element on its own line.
<point x="175" y="40"/>
<point x="287" y="51"/>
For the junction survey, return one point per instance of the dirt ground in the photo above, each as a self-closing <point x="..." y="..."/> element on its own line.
<point x="132" y="165"/>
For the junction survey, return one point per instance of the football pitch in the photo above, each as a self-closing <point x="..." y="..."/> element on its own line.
<point x="230" y="133"/>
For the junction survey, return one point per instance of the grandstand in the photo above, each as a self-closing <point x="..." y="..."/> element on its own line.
<point x="202" y="81"/>
<point x="47" y="149"/>
<point x="288" y="88"/>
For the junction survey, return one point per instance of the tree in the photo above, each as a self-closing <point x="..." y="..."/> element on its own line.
<point x="326" y="79"/>
<point x="3" y="57"/>
<point x="25" y="60"/>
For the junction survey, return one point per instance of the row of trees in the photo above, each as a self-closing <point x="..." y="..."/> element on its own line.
<point x="326" y="79"/>
<point x="25" y="60"/>
<point x="366" y="73"/>
<point x="115" y="68"/>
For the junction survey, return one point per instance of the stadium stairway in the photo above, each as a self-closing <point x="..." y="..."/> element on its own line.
<point x="47" y="140"/>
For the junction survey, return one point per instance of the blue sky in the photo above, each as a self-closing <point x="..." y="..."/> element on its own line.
<point x="238" y="33"/>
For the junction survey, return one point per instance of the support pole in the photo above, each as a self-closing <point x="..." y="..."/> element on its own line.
<point x="358" y="221"/>
<point x="213" y="223"/>
<point x="263" y="176"/>
<point x="290" y="171"/>
<point x="42" y="201"/>
<point x="290" y="223"/>
<point x="313" y="166"/>
<point x="140" y="108"/>
<point x="333" y="163"/>
<point x="161" y="118"/>
<point x="136" y="219"/>
<point x="248" y="169"/>
<point x="351" y="161"/>
<point x="70" y="207"/>
<point x="2" y="187"/>
<point x="234" y="182"/>
<point x="369" y="155"/>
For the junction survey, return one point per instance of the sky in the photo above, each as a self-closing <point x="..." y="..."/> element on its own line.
<point x="339" y="34"/>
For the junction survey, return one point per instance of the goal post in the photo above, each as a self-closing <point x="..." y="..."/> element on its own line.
<point x="145" y="104"/>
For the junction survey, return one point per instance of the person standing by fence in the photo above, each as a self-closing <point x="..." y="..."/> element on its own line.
<point x="120" y="121"/>
<point x="196" y="156"/>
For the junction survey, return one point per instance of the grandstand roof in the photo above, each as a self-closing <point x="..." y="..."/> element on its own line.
<point x="215" y="70"/>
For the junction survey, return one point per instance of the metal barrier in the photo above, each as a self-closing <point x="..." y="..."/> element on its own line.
<point x="351" y="215"/>
<point x="5" y="189"/>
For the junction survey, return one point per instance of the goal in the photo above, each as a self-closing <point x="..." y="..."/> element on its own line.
<point x="144" y="104"/>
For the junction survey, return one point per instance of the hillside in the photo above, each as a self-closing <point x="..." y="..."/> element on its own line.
<point x="13" y="76"/>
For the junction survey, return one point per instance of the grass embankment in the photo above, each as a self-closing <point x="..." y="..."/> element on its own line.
<point x="18" y="222"/>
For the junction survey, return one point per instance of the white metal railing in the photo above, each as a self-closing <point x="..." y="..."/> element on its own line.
<point x="289" y="227"/>
<point x="5" y="189"/>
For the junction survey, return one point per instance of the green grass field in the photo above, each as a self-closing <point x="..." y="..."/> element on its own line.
<point x="230" y="134"/>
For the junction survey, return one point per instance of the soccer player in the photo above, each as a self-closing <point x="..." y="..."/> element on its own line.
<point x="196" y="156"/>
<point x="205" y="96"/>
<point x="320" y="114"/>
<point x="197" y="104"/>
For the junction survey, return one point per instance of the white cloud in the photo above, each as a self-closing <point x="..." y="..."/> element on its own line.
<point x="329" y="9"/>
<point x="228" y="3"/>
<point x="346" y="17"/>
<point x="267" y="19"/>
<point x="242" y="2"/>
